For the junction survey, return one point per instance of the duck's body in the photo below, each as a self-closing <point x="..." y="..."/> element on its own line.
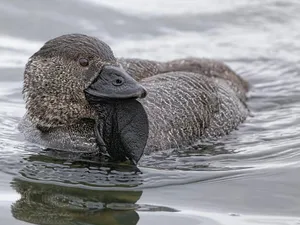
<point x="188" y="100"/>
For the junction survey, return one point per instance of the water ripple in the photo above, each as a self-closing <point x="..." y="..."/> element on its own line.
<point x="260" y="160"/>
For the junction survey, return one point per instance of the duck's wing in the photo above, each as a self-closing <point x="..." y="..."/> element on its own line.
<point x="210" y="68"/>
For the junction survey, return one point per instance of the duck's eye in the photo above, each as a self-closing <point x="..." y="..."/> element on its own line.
<point x="83" y="62"/>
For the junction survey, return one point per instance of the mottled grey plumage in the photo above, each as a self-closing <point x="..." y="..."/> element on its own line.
<point x="188" y="99"/>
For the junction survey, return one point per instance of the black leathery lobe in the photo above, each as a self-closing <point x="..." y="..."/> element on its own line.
<point x="123" y="130"/>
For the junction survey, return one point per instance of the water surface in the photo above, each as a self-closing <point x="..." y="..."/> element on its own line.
<point x="248" y="177"/>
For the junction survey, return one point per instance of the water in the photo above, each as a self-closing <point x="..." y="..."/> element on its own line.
<point x="248" y="177"/>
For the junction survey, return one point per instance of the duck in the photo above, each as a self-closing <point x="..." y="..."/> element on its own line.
<point x="80" y="98"/>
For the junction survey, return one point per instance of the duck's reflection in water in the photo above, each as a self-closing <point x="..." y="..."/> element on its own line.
<point x="61" y="189"/>
<point x="45" y="202"/>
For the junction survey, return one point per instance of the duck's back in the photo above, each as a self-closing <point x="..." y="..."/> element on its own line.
<point x="188" y="102"/>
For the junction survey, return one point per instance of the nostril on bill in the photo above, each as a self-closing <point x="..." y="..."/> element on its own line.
<point x="144" y="93"/>
<point x="118" y="81"/>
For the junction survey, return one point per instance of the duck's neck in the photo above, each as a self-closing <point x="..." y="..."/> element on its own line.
<point x="46" y="112"/>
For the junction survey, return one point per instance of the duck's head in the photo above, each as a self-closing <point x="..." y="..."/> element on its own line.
<point x="59" y="77"/>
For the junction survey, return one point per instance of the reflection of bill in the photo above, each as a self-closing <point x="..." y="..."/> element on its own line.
<point x="44" y="202"/>
<point x="60" y="205"/>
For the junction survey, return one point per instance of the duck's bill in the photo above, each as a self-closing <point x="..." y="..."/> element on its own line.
<point x="113" y="84"/>
<point x="124" y="132"/>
